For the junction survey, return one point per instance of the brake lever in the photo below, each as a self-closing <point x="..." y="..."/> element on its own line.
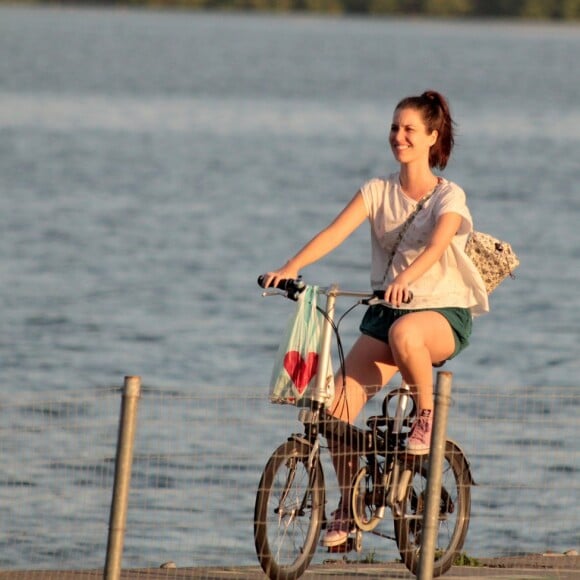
<point x="272" y="292"/>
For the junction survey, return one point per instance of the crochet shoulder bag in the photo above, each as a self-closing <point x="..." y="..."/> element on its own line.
<point x="494" y="259"/>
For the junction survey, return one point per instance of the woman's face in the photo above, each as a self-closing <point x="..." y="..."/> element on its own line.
<point x="409" y="138"/>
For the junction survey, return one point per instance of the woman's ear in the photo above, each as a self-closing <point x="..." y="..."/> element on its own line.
<point x="434" y="136"/>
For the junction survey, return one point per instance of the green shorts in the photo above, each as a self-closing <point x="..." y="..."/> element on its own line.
<point x="378" y="319"/>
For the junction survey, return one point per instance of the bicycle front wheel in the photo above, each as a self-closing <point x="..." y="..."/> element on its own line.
<point x="454" y="511"/>
<point x="289" y="511"/>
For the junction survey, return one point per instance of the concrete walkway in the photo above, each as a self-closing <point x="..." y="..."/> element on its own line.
<point x="530" y="567"/>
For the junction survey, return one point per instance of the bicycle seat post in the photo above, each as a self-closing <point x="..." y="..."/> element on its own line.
<point x="402" y="402"/>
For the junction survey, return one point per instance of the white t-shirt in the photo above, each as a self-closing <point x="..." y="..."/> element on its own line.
<point x="453" y="280"/>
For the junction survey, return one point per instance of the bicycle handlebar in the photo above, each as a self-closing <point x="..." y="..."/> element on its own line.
<point x="294" y="287"/>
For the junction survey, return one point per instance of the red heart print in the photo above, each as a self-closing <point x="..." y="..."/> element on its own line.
<point x="301" y="372"/>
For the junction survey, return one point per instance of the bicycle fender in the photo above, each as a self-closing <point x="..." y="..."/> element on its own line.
<point x="456" y="448"/>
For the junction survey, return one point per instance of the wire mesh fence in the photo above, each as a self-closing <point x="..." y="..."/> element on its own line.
<point x="56" y="474"/>
<point x="198" y="459"/>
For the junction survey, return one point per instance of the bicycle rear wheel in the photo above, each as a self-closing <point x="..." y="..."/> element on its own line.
<point x="454" y="512"/>
<point x="289" y="511"/>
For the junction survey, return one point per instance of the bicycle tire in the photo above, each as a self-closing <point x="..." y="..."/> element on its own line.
<point x="454" y="512"/>
<point x="286" y="538"/>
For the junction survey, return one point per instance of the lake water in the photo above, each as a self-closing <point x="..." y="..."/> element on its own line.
<point x="152" y="164"/>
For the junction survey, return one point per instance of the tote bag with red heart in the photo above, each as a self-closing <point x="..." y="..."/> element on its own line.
<point x="297" y="362"/>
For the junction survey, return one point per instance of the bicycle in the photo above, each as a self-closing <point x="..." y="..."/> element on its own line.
<point x="290" y="502"/>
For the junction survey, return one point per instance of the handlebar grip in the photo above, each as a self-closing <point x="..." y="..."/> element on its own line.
<point x="281" y="283"/>
<point x="261" y="281"/>
<point x="286" y="284"/>
<point x="380" y="294"/>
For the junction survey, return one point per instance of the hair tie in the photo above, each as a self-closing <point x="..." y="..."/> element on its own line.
<point x="431" y="97"/>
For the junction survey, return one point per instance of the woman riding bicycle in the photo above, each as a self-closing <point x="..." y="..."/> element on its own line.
<point x="418" y="261"/>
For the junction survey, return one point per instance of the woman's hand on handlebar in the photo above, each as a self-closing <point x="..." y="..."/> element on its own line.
<point x="398" y="294"/>
<point x="286" y="280"/>
<point x="271" y="279"/>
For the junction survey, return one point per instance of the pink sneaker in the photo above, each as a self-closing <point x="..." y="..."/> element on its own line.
<point x="419" y="442"/>
<point x="339" y="528"/>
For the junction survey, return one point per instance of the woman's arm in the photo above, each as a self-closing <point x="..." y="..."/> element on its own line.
<point x="347" y="221"/>
<point x="446" y="227"/>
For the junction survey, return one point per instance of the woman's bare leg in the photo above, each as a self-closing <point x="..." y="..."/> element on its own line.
<point x="418" y="340"/>
<point x="369" y="366"/>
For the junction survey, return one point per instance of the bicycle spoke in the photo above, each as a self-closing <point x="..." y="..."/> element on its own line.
<point x="288" y="512"/>
<point x="453" y="518"/>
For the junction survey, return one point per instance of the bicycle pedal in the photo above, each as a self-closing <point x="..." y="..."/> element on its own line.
<point x="353" y="543"/>
<point x="347" y="546"/>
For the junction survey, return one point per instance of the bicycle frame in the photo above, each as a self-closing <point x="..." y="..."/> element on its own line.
<point x="366" y="445"/>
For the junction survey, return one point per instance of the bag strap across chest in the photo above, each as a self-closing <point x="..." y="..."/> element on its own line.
<point x="405" y="227"/>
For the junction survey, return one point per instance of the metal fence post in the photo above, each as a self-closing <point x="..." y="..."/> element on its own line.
<point x="123" y="463"/>
<point x="434" y="475"/>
